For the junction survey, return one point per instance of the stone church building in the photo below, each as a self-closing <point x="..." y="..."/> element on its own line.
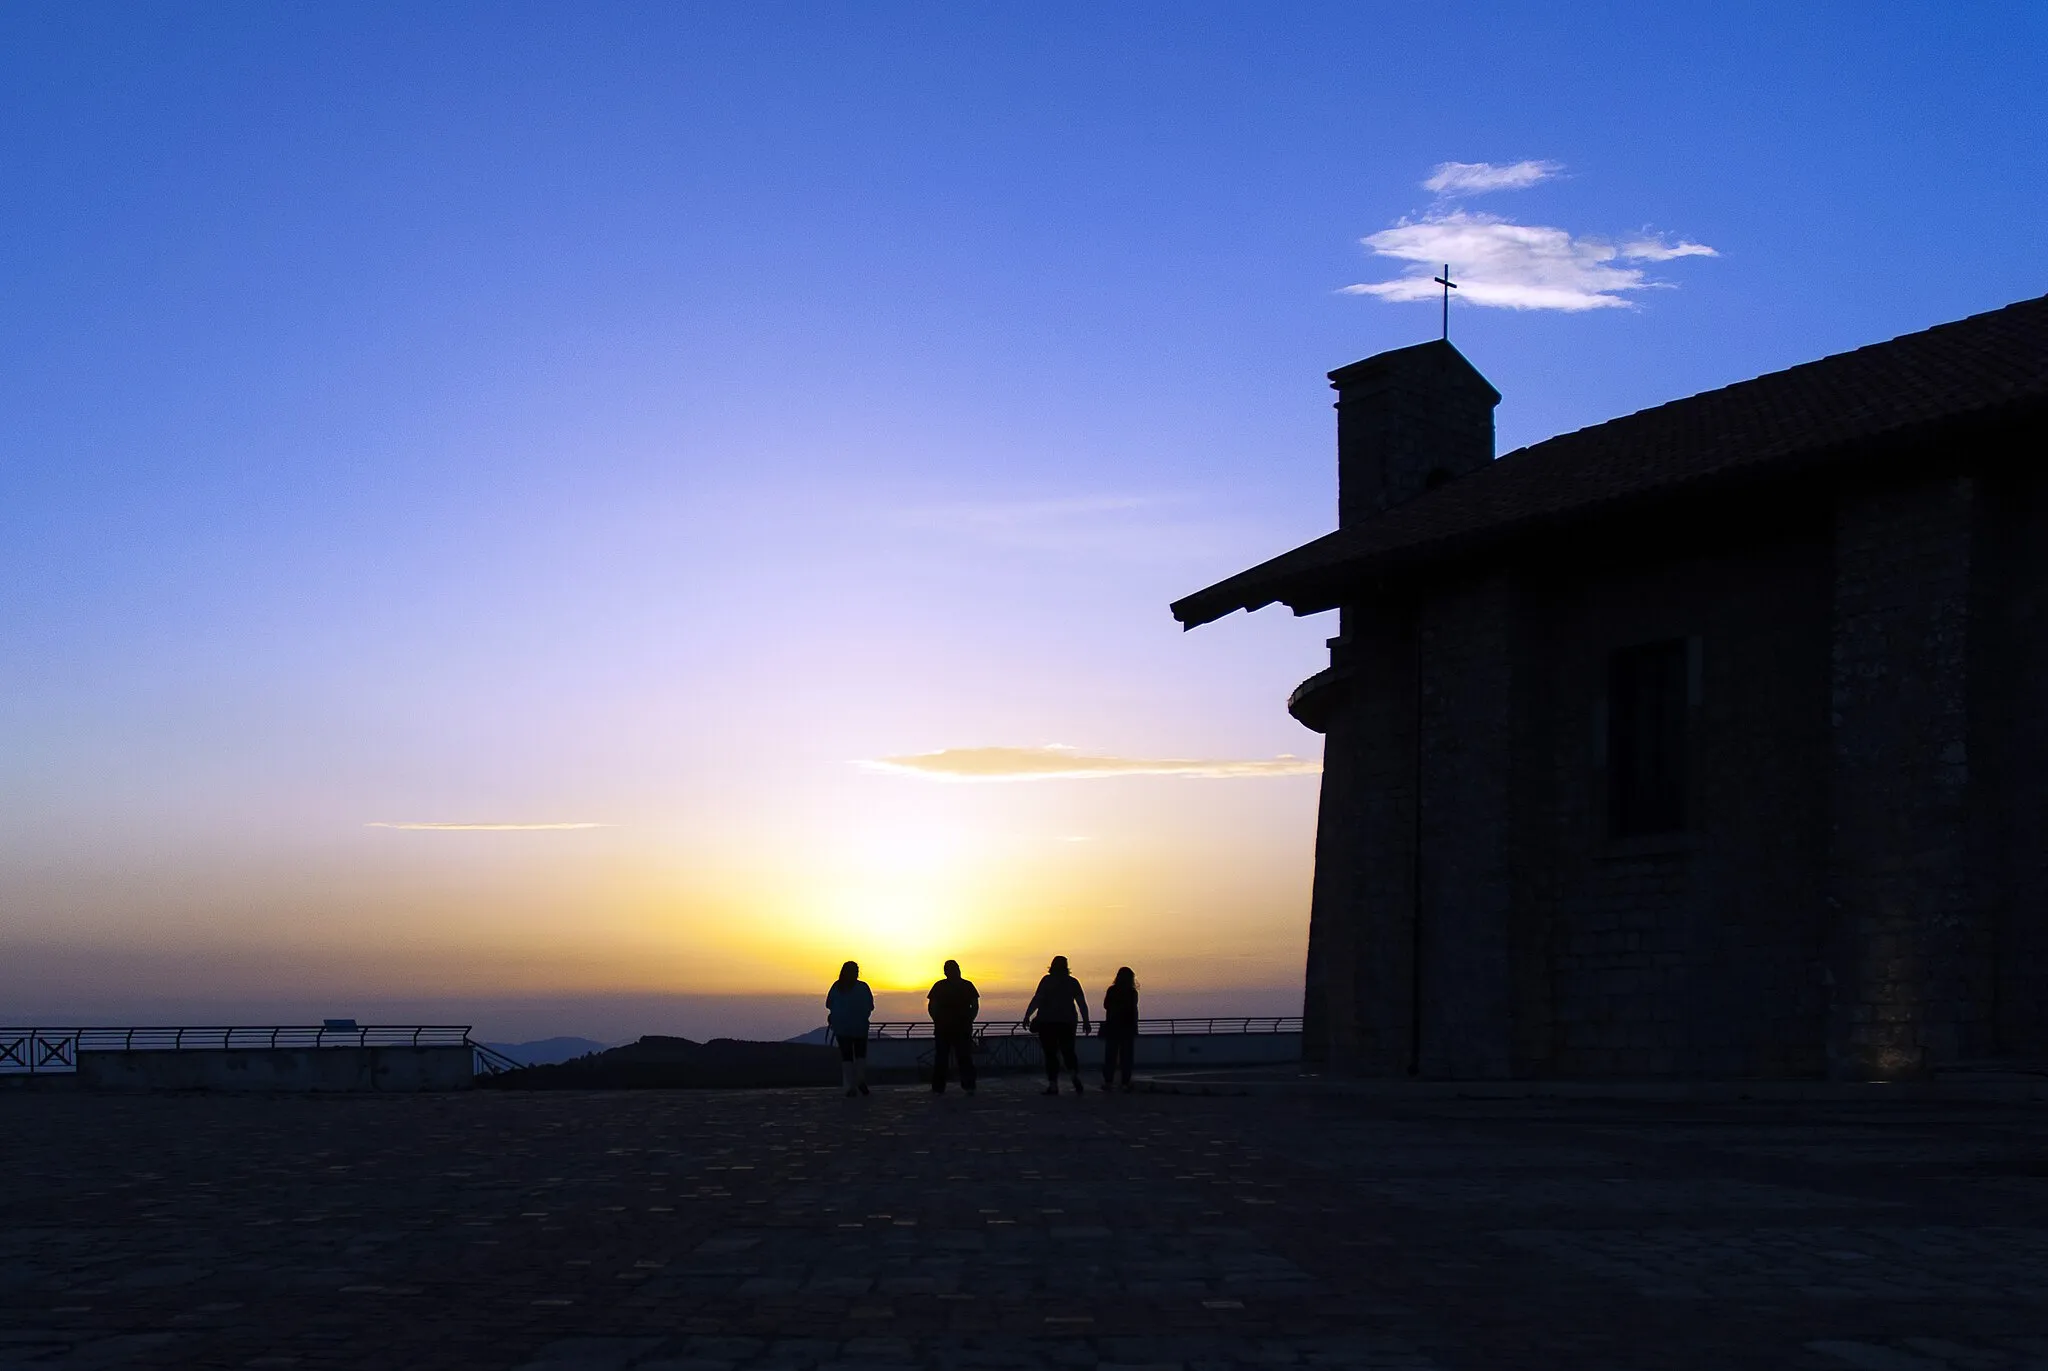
<point x="1708" y="741"/>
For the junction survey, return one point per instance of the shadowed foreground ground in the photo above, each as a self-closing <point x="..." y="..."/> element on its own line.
<point x="799" y="1229"/>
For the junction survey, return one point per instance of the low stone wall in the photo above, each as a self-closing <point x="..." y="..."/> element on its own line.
<point x="283" y="1069"/>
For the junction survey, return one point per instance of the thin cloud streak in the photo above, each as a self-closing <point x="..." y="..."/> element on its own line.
<point x="1057" y="763"/>
<point x="1014" y="513"/>
<point x="1476" y="178"/>
<point x="1125" y="527"/>
<point x="1505" y="265"/>
<point x="483" y="828"/>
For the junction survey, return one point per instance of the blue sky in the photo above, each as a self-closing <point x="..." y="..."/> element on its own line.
<point x="646" y="416"/>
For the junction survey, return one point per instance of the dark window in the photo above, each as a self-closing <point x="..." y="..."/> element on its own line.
<point x="1646" y="739"/>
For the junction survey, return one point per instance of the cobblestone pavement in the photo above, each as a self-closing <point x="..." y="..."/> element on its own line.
<point x="799" y="1229"/>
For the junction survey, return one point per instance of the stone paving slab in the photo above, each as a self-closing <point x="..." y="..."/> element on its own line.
<point x="742" y="1231"/>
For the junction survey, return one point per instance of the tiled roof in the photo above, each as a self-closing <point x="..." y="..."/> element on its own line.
<point x="1973" y="368"/>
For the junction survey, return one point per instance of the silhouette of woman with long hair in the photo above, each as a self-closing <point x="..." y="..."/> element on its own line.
<point x="849" y="1004"/>
<point x="1119" y="1027"/>
<point x="1054" y="1010"/>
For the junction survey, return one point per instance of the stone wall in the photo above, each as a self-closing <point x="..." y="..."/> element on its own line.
<point x="1359" y="1007"/>
<point x="1546" y="947"/>
<point x="1700" y="952"/>
<point x="1861" y="887"/>
<point x="1468" y="676"/>
<point x="2009" y="756"/>
<point x="1909" y="978"/>
<point x="281" y="1069"/>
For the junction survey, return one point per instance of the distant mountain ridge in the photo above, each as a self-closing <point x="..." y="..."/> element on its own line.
<point x="548" y="1051"/>
<point x="659" y="1062"/>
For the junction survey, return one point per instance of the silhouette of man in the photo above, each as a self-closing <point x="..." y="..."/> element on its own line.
<point x="954" y="1002"/>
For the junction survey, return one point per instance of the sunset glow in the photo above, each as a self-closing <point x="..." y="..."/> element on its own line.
<point x="507" y="516"/>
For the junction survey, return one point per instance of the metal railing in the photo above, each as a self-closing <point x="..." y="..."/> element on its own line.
<point x="489" y="1061"/>
<point x="1001" y="1028"/>
<point x="54" y="1051"/>
<point x="38" y="1051"/>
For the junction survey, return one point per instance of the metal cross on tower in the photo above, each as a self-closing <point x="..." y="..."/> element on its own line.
<point x="1449" y="285"/>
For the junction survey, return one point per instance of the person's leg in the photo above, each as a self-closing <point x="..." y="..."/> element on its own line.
<point x="1049" y="1044"/>
<point x="964" y="1045"/>
<point x="860" y="1065"/>
<point x="846" y="1066"/>
<point x="942" y="1044"/>
<point x="1067" y="1052"/>
<point x="1112" y="1045"/>
<point x="1128" y="1058"/>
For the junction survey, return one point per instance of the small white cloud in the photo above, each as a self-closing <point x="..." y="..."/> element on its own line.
<point x="483" y="828"/>
<point x="1652" y="250"/>
<point x="1055" y="763"/>
<point x="1476" y="178"/>
<point x="1516" y="266"/>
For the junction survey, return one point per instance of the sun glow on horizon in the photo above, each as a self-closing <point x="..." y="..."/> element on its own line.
<point x="898" y="892"/>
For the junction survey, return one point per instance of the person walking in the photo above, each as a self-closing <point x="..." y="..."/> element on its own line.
<point x="1119" y="1027"/>
<point x="849" y="1004"/>
<point x="954" y="1003"/>
<point x="1052" y="1014"/>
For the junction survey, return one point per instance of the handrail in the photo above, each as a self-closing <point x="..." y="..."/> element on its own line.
<point x="39" y="1051"/>
<point x="1189" y="1027"/>
<point x="489" y="1061"/>
<point x="34" y="1051"/>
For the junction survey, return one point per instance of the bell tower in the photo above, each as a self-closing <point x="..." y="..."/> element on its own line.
<point x="1408" y="421"/>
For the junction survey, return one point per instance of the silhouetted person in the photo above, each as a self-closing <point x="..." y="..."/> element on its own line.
<point x="1119" y="1027"/>
<point x="954" y="1002"/>
<point x="849" y="1004"/>
<point x="1054" y="1010"/>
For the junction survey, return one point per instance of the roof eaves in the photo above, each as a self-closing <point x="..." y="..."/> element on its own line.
<point x="1241" y="591"/>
